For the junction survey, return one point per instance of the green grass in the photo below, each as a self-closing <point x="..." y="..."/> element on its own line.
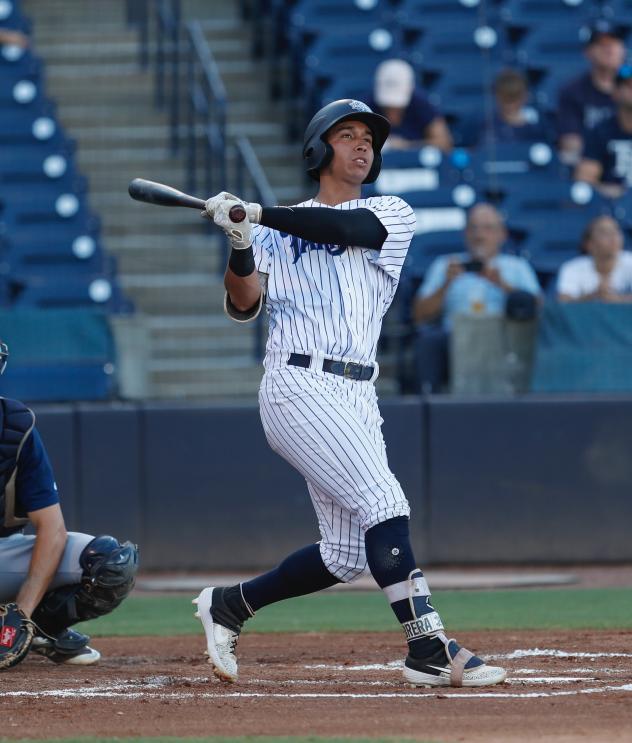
<point x="241" y="739"/>
<point x="603" y="608"/>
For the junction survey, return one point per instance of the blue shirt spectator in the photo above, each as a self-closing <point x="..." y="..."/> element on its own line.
<point x="414" y="120"/>
<point x="478" y="281"/>
<point x="471" y="292"/>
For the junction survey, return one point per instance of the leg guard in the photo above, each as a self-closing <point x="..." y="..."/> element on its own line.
<point x="109" y="571"/>
<point x="410" y="600"/>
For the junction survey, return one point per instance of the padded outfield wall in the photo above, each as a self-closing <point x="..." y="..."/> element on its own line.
<point x="523" y="481"/>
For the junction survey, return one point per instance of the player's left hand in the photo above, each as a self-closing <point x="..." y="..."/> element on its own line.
<point x="239" y="233"/>
<point x="16" y="635"/>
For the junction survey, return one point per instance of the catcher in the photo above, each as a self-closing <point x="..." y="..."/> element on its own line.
<point x="54" y="578"/>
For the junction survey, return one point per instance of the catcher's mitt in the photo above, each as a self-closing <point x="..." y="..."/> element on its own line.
<point x="16" y="635"/>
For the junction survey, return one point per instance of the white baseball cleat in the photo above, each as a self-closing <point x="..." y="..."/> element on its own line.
<point x="220" y="641"/>
<point x="454" y="666"/>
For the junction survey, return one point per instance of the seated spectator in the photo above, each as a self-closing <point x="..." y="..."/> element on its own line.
<point x="586" y="101"/>
<point x="478" y="281"/>
<point x="607" y="160"/>
<point x="512" y="120"/>
<point x="414" y="120"/>
<point x="604" y="272"/>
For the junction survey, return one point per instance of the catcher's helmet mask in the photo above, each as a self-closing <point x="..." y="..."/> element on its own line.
<point x="317" y="153"/>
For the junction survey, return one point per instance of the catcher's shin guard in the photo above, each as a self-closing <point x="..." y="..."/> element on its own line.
<point x="109" y="572"/>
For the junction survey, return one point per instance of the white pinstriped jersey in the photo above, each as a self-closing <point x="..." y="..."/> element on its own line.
<point x="329" y="298"/>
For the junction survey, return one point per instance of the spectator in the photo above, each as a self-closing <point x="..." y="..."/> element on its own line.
<point x="478" y="281"/>
<point x="512" y="119"/>
<point x="607" y="160"/>
<point x="414" y="120"/>
<point x="586" y="101"/>
<point x="604" y="273"/>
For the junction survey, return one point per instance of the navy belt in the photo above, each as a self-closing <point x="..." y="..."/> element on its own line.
<point x="346" y="369"/>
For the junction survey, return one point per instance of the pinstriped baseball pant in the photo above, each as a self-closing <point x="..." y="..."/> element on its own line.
<point x="329" y="429"/>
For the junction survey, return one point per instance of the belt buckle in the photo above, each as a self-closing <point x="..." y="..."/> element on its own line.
<point x="352" y="370"/>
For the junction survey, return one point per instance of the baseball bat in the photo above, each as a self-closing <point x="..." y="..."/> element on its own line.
<point x="163" y="195"/>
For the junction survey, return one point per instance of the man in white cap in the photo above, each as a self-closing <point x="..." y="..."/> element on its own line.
<point x="414" y="120"/>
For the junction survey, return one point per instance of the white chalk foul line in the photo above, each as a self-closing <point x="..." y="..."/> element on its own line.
<point x="541" y="653"/>
<point x="444" y="692"/>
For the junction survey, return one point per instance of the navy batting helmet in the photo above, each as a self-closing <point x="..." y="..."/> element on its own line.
<point x="317" y="153"/>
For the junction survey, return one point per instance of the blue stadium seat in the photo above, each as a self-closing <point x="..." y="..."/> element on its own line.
<point x="430" y="15"/>
<point x="547" y="46"/>
<point x="425" y="248"/>
<point x="553" y="13"/>
<point x="458" y="92"/>
<point x="58" y="355"/>
<point x="22" y="92"/>
<point x="550" y="239"/>
<point x="52" y="208"/>
<point x="505" y="166"/>
<point x="25" y="126"/>
<point x="424" y="169"/>
<point x="11" y="16"/>
<point x="77" y="292"/>
<point x="459" y="48"/>
<point x="335" y="55"/>
<point x="314" y="17"/>
<point x="553" y="197"/>
<point x="51" y="383"/>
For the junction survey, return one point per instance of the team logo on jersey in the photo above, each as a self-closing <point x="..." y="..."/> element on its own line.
<point x="300" y="246"/>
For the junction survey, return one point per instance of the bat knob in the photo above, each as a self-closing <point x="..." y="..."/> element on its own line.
<point x="237" y="213"/>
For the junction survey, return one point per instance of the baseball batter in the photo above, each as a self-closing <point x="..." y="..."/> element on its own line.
<point x="327" y="271"/>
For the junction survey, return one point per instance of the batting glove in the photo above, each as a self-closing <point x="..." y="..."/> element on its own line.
<point x="239" y="233"/>
<point x="253" y="210"/>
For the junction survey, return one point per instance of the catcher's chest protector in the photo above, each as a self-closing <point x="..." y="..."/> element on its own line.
<point x="16" y="423"/>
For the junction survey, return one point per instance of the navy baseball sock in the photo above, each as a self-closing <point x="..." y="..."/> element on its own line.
<point x="300" y="573"/>
<point x="392" y="564"/>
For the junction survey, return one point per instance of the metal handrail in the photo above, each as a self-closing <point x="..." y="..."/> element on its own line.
<point x="256" y="187"/>
<point x="206" y="105"/>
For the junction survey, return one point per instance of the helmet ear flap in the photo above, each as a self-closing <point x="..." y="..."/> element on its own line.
<point x="321" y="155"/>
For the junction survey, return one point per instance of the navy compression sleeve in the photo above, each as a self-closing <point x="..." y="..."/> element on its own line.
<point x="359" y="227"/>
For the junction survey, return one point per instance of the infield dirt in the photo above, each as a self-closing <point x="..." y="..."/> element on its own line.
<point x="562" y="687"/>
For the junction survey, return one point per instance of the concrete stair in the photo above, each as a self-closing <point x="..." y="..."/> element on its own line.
<point x="170" y="260"/>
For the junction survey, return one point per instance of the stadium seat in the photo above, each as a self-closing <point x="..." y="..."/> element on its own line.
<point x="459" y="48"/>
<point x="24" y="126"/>
<point x="552" y="197"/>
<point x="553" y="13"/>
<point x="549" y="240"/>
<point x="501" y="167"/>
<point x="74" y="359"/>
<point x="310" y="18"/>
<point x="547" y="46"/>
<point x="76" y="292"/>
<point x="420" y="17"/>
